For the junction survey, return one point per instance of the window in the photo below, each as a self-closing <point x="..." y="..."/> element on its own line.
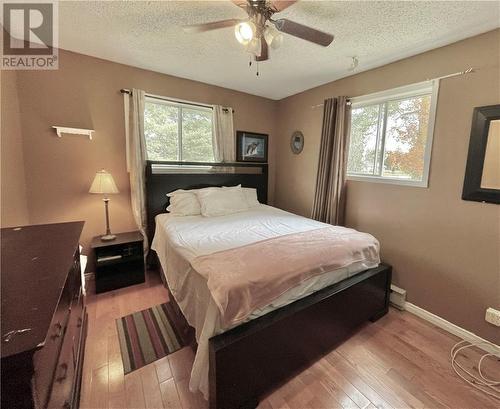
<point x="177" y="131"/>
<point x="391" y="135"/>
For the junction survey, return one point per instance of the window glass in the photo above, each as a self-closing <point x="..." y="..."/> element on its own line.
<point x="197" y="136"/>
<point x="363" y="140"/>
<point x="178" y="132"/>
<point x="390" y="138"/>
<point x="406" y="138"/>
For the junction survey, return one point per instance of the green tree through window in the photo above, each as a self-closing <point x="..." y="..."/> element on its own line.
<point x="178" y="132"/>
<point x="389" y="138"/>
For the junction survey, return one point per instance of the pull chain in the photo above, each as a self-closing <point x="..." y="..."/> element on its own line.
<point x="250" y="65"/>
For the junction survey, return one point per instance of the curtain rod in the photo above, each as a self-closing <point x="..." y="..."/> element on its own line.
<point x="129" y="92"/>
<point x="320" y="105"/>
<point x="455" y="74"/>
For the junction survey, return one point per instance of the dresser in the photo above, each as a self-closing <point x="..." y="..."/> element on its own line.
<point x="43" y="326"/>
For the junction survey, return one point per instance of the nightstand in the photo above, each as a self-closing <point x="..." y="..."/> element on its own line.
<point x="118" y="263"/>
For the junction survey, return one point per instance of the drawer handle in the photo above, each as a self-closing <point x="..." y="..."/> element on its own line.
<point x="108" y="258"/>
<point x="64" y="367"/>
<point x="59" y="329"/>
<point x="80" y="322"/>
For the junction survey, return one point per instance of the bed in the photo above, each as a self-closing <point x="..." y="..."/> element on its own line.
<point x="241" y="354"/>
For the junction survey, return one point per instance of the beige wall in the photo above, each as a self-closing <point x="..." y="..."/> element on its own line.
<point x="84" y="93"/>
<point x="445" y="251"/>
<point x="13" y="204"/>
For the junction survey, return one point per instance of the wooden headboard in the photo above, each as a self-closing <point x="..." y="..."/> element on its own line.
<point x="165" y="177"/>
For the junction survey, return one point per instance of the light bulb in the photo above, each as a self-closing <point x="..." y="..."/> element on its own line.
<point x="273" y="37"/>
<point x="244" y="31"/>
<point x="254" y="47"/>
<point x="277" y="41"/>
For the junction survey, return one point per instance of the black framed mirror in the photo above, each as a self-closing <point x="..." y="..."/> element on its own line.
<point x="482" y="173"/>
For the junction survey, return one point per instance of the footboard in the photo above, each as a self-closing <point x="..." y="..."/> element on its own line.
<point x="255" y="357"/>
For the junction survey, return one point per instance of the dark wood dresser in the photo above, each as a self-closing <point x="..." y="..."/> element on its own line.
<point x="43" y="325"/>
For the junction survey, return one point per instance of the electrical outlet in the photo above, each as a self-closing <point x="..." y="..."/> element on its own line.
<point x="493" y="316"/>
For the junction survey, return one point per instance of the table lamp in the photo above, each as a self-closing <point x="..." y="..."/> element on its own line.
<point x="104" y="184"/>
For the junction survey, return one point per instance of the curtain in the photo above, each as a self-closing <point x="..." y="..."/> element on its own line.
<point x="223" y="134"/>
<point x="329" y="197"/>
<point x="136" y="157"/>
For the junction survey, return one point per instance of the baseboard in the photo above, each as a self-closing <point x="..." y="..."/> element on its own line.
<point x="450" y="327"/>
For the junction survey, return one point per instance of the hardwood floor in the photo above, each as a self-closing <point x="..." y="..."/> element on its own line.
<point x="400" y="361"/>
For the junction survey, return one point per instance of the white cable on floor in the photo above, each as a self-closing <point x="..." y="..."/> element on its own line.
<point x="481" y="382"/>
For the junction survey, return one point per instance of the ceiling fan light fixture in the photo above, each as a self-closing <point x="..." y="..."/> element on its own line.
<point x="254" y="46"/>
<point x="273" y="37"/>
<point x="259" y="31"/>
<point x="244" y="32"/>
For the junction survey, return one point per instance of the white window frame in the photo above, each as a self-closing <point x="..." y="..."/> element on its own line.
<point x="413" y="90"/>
<point x="181" y="105"/>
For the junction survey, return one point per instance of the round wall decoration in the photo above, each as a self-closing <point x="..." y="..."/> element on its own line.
<point x="297" y="142"/>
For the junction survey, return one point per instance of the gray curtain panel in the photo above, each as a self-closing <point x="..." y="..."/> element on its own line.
<point x="329" y="198"/>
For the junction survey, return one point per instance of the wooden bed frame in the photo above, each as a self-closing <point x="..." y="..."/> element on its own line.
<point x="250" y="360"/>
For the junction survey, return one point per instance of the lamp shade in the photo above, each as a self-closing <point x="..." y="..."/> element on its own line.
<point x="103" y="183"/>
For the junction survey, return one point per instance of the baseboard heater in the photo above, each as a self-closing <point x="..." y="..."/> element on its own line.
<point x="398" y="297"/>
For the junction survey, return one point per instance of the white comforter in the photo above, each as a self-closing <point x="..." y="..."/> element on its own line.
<point x="178" y="240"/>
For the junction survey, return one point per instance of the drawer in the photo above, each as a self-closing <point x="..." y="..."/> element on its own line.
<point x="45" y="360"/>
<point x="75" y="326"/>
<point x="62" y="386"/>
<point x="78" y="351"/>
<point x="119" y="275"/>
<point x="74" y="277"/>
<point x="118" y="264"/>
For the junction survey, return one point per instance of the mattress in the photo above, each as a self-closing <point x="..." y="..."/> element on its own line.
<point x="179" y="240"/>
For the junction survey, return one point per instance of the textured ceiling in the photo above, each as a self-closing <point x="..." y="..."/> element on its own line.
<point x="148" y="35"/>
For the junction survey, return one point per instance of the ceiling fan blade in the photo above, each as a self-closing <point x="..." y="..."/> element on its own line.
<point x="239" y="3"/>
<point x="280" y="5"/>
<point x="306" y="33"/>
<point x="264" y="51"/>
<point x="214" y="25"/>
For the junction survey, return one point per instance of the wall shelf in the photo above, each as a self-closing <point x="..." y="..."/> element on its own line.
<point x="73" y="131"/>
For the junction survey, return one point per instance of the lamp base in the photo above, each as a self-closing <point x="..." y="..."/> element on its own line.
<point x="108" y="237"/>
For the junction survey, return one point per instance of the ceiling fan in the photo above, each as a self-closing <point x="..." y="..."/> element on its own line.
<point x="260" y="31"/>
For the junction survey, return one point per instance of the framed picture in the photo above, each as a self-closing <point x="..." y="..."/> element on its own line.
<point x="251" y="147"/>
<point x="297" y="142"/>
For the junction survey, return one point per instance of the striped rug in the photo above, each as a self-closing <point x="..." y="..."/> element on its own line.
<point x="147" y="336"/>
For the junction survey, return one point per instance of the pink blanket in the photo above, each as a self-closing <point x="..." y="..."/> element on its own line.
<point x="246" y="278"/>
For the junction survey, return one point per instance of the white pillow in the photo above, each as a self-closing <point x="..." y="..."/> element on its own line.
<point x="184" y="204"/>
<point x="219" y="202"/>
<point x="249" y="192"/>
<point x="181" y="191"/>
<point x="251" y="196"/>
